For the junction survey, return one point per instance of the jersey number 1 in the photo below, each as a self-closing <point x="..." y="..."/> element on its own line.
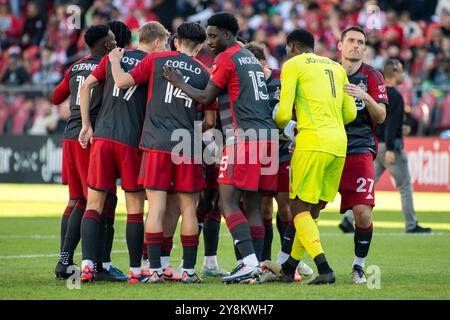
<point x="333" y="87"/>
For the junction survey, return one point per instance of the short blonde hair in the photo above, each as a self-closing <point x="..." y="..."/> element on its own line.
<point x="151" y="31"/>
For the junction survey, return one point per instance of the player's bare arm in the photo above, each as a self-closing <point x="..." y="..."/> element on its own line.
<point x="86" y="132"/>
<point x="205" y="97"/>
<point x="122" y="79"/>
<point x="376" y="110"/>
<point x="209" y="121"/>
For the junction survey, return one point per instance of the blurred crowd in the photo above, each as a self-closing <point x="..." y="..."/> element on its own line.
<point x="40" y="38"/>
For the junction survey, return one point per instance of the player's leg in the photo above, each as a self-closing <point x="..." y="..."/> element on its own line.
<point x="240" y="231"/>
<point x="189" y="236"/>
<point x="170" y="222"/>
<point x="211" y="230"/>
<point x="71" y="238"/>
<point x="135" y="234"/>
<point x="252" y="205"/>
<point x="362" y="240"/>
<point x="109" y="210"/>
<point x="65" y="220"/>
<point x="89" y="232"/>
<point x="267" y="213"/>
<point x="154" y="232"/>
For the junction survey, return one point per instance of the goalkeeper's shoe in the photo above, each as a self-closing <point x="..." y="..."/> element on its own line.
<point x="88" y="274"/>
<point x="191" y="278"/>
<point x="358" y="276"/>
<point x="61" y="271"/>
<point x="215" y="271"/>
<point x="169" y="274"/>
<point x="137" y="278"/>
<point x="240" y="273"/>
<point x="325" y="278"/>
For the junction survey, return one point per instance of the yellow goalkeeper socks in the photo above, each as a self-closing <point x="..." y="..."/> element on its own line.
<point x="308" y="234"/>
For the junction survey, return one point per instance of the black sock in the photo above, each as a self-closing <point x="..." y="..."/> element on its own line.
<point x="110" y="210"/>
<point x="240" y="231"/>
<point x="154" y="241"/>
<point x="237" y="253"/>
<point x="100" y="246"/>
<point x="166" y="247"/>
<point x="211" y="229"/>
<point x="190" y="248"/>
<point x="200" y="219"/>
<point x="281" y="227"/>
<point x="73" y="233"/>
<point x="89" y="233"/>
<point x="322" y="264"/>
<point x="362" y="239"/>
<point x="64" y="223"/>
<point x="268" y="238"/>
<point x="145" y="252"/>
<point x="257" y="234"/>
<point x="288" y="239"/>
<point x="289" y="266"/>
<point x="135" y="237"/>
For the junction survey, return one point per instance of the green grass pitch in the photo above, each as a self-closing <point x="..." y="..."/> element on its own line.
<point x="411" y="266"/>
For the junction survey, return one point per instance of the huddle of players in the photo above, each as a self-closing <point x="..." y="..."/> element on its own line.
<point x="143" y="100"/>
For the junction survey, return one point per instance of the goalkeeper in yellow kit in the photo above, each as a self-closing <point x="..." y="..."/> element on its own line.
<point x="315" y="86"/>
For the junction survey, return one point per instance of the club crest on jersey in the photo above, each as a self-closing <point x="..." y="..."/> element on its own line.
<point x="362" y="86"/>
<point x="382" y="88"/>
<point x="276" y="95"/>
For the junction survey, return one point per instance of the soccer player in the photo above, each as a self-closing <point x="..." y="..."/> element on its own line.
<point x="282" y="196"/>
<point x="100" y="39"/>
<point x="238" y="80"/>
<point x="169" y="110"/>
<point x="315" y="85"/>
<point x="115" y="152"/>
<point x="358" y="178"/>
<point x="390" y="151"/>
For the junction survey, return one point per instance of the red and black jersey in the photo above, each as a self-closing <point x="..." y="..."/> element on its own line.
<point x="168" y="108"/>
<point x="361" y="132"/>
<point x="274" y="90"/>
<point x="122" y="114"/>
<point x="70" y="85"/>
<point x="244" y="102"/>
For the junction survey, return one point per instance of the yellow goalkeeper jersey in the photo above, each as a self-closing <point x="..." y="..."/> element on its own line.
<point x="315" y="85"/>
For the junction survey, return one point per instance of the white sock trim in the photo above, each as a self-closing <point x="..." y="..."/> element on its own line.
<point x="251" y="260"/>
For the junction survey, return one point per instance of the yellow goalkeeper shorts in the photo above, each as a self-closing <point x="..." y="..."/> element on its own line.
<point x="315" y="175"/>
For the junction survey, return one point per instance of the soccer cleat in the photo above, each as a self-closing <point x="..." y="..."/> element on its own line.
<point x="274" y="273"/>
<point x="240" y="273"/>
<point x="326" y="278"/>
<point x="346" y="226"/>
<point x="88" y="275"/>
<point x="170" y="274"/>
<point x="61" y="272"/>
<point x="191" y="278"/>
<point x="215" y="271"/>
<point x="137" y="278"/>
<point x="112" y="275"/>
<point x="156" y="278"/>
<point x="419" y="229"/>
<point x="146" y="266"/>
<point x="358" y="276"/>
<point x="304" y="270"/>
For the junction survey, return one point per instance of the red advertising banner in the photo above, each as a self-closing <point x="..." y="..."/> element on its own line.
<point x="429" y="165"/>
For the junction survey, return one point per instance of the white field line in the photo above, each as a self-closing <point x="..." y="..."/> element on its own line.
<point x="226" y="234"/>
<point x="48" y="255"/>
